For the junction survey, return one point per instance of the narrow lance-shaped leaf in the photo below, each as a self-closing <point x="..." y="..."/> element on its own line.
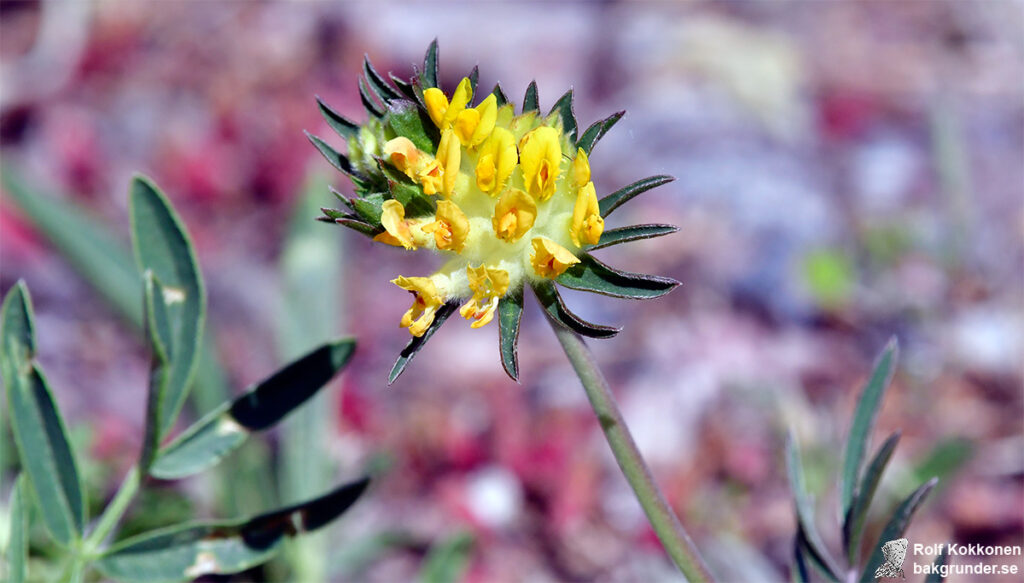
<point x="597" y="130"/>
<point x="805" y="512"/>
<point x="634" y="233"/>
<point x="378" y="84"/>
<point x="868" y="404"/>
<point x="531" y="102"/>
<point x="800" y="572"/>
<point x="224" y="429"/>
<point x="158" y="330"/>
<point x="936" y="575"/>
<point x="564" y="108"/>
<point x="339" y="123"/>
<point x="39" y="431"/>
<point x="593" y="276"/>
<point x="626" y="193"/>
<point x="189" y="551"/>
<point x="429" y="76"/>
<point x="812" y="557"/>
<point x="853" y="524"/>
<point x="447" y="561"/>
<point x="369" y="101"/>
<point x="162" y="246"/>
<point x="510" y="312"/>
<point x="336" y="158"/>
<point x="17" y="536"/>
<point x="417" y="343"/>
<point x="555" y="308"/>
<point x="896" y="526"/>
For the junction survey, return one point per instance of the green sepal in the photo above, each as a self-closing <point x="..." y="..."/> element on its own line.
<point x="40" y="435"/>
<point x="370" y="207"/>
<point x="896" y="526"/>
<point x="407" y="120"/>
<point x="330" y="215"/>
<point x="189" y="551"/>
<point x="336" y="158"/>
<point x="864" y="416"/>
<point x="344" y="127"/>
<point x="499" y="95"/>
<point x="531" y="101"/>
<point x="474" y="77"/>
<point x="407" y="192"/>
<point x="17" y="535"/>
<point x="597" y="130"/>
<point x="806" y="528"/>
<point x="510" y="313"/>
<point x="161" y="341"/>
<point x="624" y="194"/>
<point x="225" y="429"/>
<point x="555" y="307"/>
<point x="593" y="276"/>
<point x="377" y="83"/>
<point x="565" y="112"/>
<point x="856" y="516"/>
<point x="360" y="226"/>
<point x="369" y="101"/>
<point x="429" y="76"/>
<point x="633" y="233"/>
<point x="404" y="87"/>
<point x="417" y="343"/>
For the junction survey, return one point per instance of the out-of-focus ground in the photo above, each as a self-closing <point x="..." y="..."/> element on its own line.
<point x="846" y="173"/>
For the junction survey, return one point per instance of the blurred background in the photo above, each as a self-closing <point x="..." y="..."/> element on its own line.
<point x="846" y="172"/>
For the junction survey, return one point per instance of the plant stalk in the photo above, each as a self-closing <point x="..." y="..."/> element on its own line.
<point x="114" y="511"/>
<point x="664" y="521"/>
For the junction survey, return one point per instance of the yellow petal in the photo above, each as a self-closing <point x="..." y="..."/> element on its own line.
<point x="450" y="227"/>
<point x="497" y="160"/>
<point x="465" y="124"/>
<point x="580" y="169"/>
<point x="424" y="305"/>
<point x="397" y="228"/>
<point x="549" y="259"/>
<point x="488" y="285"/>
<point x="437" y="105"/>
<point x="514" y="215"/>
<point x="587" y="224"/>
<point x="429" y="178"/>
<point x="403" y="154"/>
<point x="463" y="94"/>
<point x="488" y="111"/>
<point x="449" y="156"/>
<point x="540" y="155"/>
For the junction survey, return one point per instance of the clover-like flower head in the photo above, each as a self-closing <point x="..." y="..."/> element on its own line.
<point x="506" y="198"/>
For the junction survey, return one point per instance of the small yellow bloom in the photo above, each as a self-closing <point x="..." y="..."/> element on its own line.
<point x="443" y="113"/>
<point x="540" y="155"/>
<point x="430" y="178"/>
<point x="550" y="259"/>
<point x="449" y="156"/>
<point x="497" y="160"/>
<point x="397" y="230"/>
<point x="424" y="306"/>
<point x="403" y="154"/>
<point x="450" y="227"/>
<point x="514" y="215"/>
<point x="488" y="285"/>
<point x="474" y="125"/>
<point x="580" y="169"/>
<point x="587" y="224"/>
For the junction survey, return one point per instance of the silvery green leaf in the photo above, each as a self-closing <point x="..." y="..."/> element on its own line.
<point x="626" y="193"/>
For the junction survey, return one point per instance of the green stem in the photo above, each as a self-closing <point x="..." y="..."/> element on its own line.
<point x="114" y="511"/>
<point x="666" y="525"/>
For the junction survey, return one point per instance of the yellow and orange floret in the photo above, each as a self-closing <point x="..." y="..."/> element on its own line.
<point x="515" y="203"/>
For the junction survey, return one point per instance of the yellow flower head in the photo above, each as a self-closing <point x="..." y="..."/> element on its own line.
<point x="508" y="199"/>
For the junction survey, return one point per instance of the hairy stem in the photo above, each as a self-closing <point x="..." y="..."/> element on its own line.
<point x="667" y="526"/>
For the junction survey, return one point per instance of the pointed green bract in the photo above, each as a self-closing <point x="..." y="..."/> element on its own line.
<point x="868" y="404"/>
<point x="896" y="526"/>
<point x="474" y="77"/>
<point x="510" y="312"/>
<point x="223" y="430"/>
<point x="39" y="431"/>
<point x="344" y="127"/>
<point x="429" y="76"/>
<point x="417" y="343"/>
<point x="553" y="304"/>
<point x="17" y="536"/>
<point x="531" y="102"/>
<point x="188" y="551"/>
<point x="378" y="84"/>
<point x="593" y="276"/>
<point x="597" y="130"/>
<point x="808" y="531"/>
<point x="626" y="193"/>
<point x="564" y="109"/>
<point x="162" y="246"/>
<point x="634" y="233"/>
<point x="336" y="158"/>
<point x="499" y="95"/>
<point x="409" y="121"/>
<point x="853" y="525"/>
<point x="370" y="103"/>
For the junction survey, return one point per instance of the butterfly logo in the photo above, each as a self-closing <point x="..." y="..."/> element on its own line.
<point x="894" y="552"/>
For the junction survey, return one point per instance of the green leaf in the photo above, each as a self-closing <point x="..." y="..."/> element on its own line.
<point x="336" y="158"/>
<point x="17" y="537"/>
<point x="896" y="526"/>
<point x="188" y="551"/>
<point x="499" y="95"/>
<point x="853" y="524"/>
<point x="634" y="233"/>
<point x="345" y="128"/>
<point x="597" y="130"/>
<point x="429" y="76"/>
<point x="378" y="84"/>
<point x="864" y="420"/>
<point x="404" y="87"/>
<point x="161" y="341"/>
<point x="224" y="429"/>
<point x="474" y="77"/>
<point x="359" y="226"/>
<point x="408" y="120"/>
<point x="510" y="312"/>
<point x="39" y="431"/>
<point x="369" y="101"/>
<point x="447" y="561"/>
<point x="531" y="102"/>
<point x="935" y="576"/>
<point x="800" y="572"/>
<point x="417" y="343"/>
<point x="370" y="207"/>
<point x="812" y="542"/>
<point x="564" y="108"/>
<point x="162" y="245"/>
<point x="552" y="303"/>
<point x="624" y="194"/>
<point x="593" y="276"/>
